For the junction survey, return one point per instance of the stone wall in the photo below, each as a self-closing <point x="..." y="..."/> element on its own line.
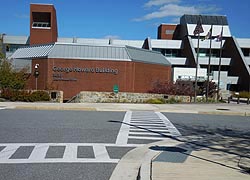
<point x="123" y="97"/>
<point x="56" y="96"/>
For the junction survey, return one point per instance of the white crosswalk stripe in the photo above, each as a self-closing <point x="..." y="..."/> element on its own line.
<point x="38" y="154"/>
<point x="145" y="125"/>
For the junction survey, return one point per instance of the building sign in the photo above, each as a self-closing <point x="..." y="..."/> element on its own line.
<point x="57" y="76"/>
<point x="85" y="70"/>
<point x="116" y="88"/>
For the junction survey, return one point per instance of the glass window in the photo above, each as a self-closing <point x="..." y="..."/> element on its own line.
<point x="169" y="31"/>
<point x="246" y="52"/>
<point x="41" y="20"/>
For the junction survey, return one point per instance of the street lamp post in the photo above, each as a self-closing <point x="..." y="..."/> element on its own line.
<point x="36" y="73"/>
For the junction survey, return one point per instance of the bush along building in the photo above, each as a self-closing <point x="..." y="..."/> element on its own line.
<point x="80" y="64"/>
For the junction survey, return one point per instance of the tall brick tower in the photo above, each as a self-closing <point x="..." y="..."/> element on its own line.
<point x="43" y="24"/>
<point x="166" y="31"/>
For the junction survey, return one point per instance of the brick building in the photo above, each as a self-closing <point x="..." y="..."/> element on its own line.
<point x="75" y="67"/>
<point x="227" y="61"/>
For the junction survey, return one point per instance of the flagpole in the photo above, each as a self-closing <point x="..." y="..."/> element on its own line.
<point x="198" y="29"/>
<point x="196" y="71"/>
<point x="209" y="62"/>
<point x="218" y="92"/>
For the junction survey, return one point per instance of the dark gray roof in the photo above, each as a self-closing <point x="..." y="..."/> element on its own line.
<point x="144" y="55"/>
<point x="206" y="19"/>
<point x="89" y="52"/>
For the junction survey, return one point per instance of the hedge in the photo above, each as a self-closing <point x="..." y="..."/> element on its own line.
<point x="26" y="96"/>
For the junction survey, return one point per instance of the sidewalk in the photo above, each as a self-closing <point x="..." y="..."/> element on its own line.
<point x="220" y="108"/>
<point x="180" y="160"/>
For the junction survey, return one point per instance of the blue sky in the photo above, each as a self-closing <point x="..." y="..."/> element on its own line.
<point x="122" y="19"/>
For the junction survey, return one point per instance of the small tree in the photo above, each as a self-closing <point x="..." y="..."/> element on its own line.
<point x="212" y="90"/>
<point x="1" y="55"/>
<point x="179" y="88"/>
<point x="11" y="79"/>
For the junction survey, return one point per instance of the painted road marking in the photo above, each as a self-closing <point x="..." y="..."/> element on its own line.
<point x="38" y="154"/>
<point x="148" y="125"/>
<point x="122" y="137"/>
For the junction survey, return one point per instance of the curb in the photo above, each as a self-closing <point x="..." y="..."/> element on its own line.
<point x="228" y="113"/>
<point x="56" y="108"/>
<point x="136" y="164"/>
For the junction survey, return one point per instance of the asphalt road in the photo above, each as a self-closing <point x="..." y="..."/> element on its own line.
<point x="58" y="126"/>
<point x="28" y="126"/>
<point x="230" y="133"/>
<point x="193" y="124"/>
<point x="98" y="139"/>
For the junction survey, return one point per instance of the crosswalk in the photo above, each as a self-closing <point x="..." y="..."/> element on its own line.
<point x="145" y="125"/>
<point x="136" y="125"/>
<point x="15" y="153"/>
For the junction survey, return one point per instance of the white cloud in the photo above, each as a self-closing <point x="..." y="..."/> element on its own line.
<point x="151" y="3"/>
<point x="169" y="10"/>
<point x="175" y="8"/>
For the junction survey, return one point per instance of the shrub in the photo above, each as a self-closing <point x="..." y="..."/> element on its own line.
<point x="183" y="88"/>
<point x="26" y="96"/>
<point x="39" y="96"/>
<point x="172" y="100"/>
<point x="244" y="94"/>
<point x="155" y="101"/>
<point x="178" y="88"/>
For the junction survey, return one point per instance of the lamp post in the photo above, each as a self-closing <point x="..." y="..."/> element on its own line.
<point x="36" y="73"/>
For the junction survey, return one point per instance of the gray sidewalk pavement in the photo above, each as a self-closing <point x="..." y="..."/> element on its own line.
<point x="182" y="159"/>
<point x="214" y="108"/>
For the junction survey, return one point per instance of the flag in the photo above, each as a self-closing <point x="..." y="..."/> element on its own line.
<point x="219" y="36"/>
<point x="198" y="29"/>
<point x="209" y="35"/>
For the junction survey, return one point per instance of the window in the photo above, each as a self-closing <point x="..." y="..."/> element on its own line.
<point x="41" y="24"/>
<point x="41" y="20"/>
<point x="7" y="48"/>
<point x="169" y="52"/>
<point x="205" y="52"/>
<point x="169" y="31"/>
<point x="13" y="47"/>
<point x="246" y="52"/>
<point x="202" y="53"/>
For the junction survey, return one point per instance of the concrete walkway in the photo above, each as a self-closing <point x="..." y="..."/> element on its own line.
<point x="181" y="159"/>
<point x="220" y="108"/>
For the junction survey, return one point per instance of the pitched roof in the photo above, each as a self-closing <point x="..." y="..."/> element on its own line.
<point x="144" y="55"/>
<point x="31" y="52"/>
<point x="90" y="52"/>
